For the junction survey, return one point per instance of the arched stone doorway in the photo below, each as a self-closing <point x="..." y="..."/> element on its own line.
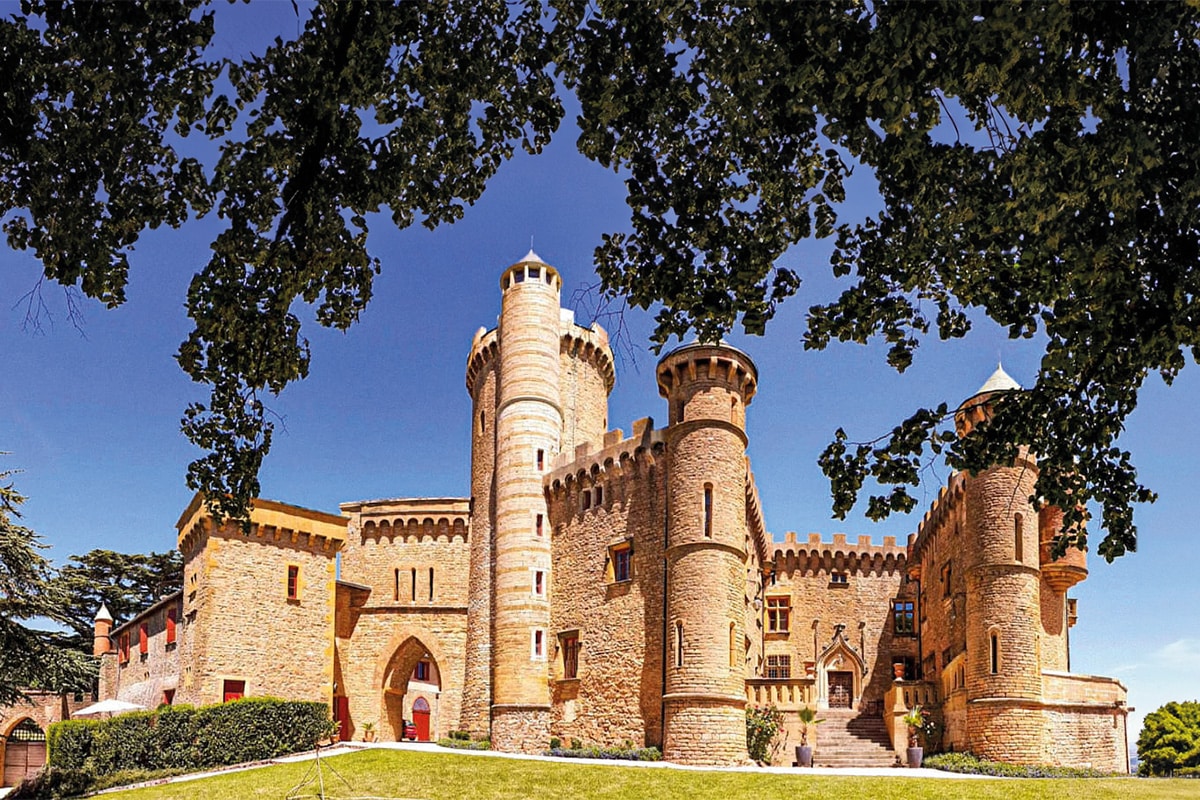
<point x="840" y="672"/>
<point x="411" y="686"/>
<point x="24" y="751"/>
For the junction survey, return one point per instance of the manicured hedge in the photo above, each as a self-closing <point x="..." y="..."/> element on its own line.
<point x="181" y="737"/>
<point x="971" y="765"/>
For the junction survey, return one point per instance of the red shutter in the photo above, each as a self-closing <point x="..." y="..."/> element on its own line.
<point x="170" y="626"/>
<point x="144" y="638"/>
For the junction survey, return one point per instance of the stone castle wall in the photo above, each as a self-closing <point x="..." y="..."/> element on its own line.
<point x="145" y="678"/>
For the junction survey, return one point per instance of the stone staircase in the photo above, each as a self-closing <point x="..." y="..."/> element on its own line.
<point x="852" y="739"/>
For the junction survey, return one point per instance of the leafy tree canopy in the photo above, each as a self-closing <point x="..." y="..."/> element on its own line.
<point x="31" y="658"/>
<point x="1169" y="743"/>
<point x="1037" y="162"/>
<point x="126" y="583"/>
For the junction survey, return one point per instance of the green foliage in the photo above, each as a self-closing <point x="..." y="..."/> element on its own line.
<point x="127" y="583"/>
<point x="626" y="752"/>
<point x="971" y="765"/>
<point x="807" y="716"/>
<point x="178" y="738"/>
<point x="31" y="658"/>
<point x="465" y="744"/>
<point x="1035" y="163"/>
<point x="762" y="727"/>
<point x="1169" y="743"/>
<point x="56" y="782"/>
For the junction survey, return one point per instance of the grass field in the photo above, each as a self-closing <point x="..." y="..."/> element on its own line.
<point x="437" y="776"/>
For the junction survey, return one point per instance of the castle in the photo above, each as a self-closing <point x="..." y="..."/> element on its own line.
<point x="612" y="588"/>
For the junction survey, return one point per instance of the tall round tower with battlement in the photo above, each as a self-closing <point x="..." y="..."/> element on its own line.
<point x="707" y="388"/>
<point x="1003" y="597"/>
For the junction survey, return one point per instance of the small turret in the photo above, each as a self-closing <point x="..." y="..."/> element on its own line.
<point x="102" y="641"/>
<point x="978" y="407"/>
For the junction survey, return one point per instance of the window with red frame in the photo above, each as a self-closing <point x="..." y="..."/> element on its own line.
<point x="233" y="690"/>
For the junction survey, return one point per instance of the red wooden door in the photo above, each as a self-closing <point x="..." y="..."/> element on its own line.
<point x="341" y="715"/>
<point x="421" y="718"/>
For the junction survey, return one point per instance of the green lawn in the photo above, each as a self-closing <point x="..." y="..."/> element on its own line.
<point x="406" y="774"/>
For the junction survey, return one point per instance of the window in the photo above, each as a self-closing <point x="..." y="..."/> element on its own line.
<point x="839" y="578"/>
<point x="733" y="649"/>
<point x="539" y="582"/>
<point x="708" y="510"/>
<point x="678" y="644"/>
<point x="123" y="648"/>
<point x="539" y="644"/>
<point x="779" y="667"/>
<point x="233" y="690"/>
<point x="779" y="611"/>
<point x="421" y="673"/>
<point x="622" y="563"/>
<point x="431" y="583"/>
<point x="396" y="587"/>
<point x="538" y="523"/>
<point x="293" y="582"/>
<point x="414" y="585"/>
<point x="1018" y="539"/>
<point x="995" y="648"/>
<point x="535" y="273"/>
<point x="585" y="500"/>
<point x="482" y="422"/>
<point x="168" y="697"/>
<point x="570" y="651"/>
<point x="519" y="276"/>
<point x="541" y="460"/>
<point x="599" y="501"/>
<point x="171" y="623"/>
<point x="144" y="638"/>
<point x="946" y="576"/>
<point x="903" y="618"/>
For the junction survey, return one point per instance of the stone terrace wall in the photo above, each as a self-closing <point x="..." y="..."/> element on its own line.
<point x="618" y="693"/>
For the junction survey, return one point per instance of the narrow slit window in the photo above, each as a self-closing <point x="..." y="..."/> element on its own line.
<point x="293" y="582"/>
<point x="599" y="496"/>
<point x="733" y="650"/>
<point x="995" y="646"/>
<point x="708" y="510"/>
<point x="431" y="583"/>
<point x="678" y="644"/>
<point x="538" y="524"/>
<point x="539" y="582"/>
<point x="414" y="585"/>
<point x="539" y="647"/>
<point x="483" y="422"/>
<point x="1018" y="539"/>
<point x="541" y="460"/>
<point x="396" y="587"/>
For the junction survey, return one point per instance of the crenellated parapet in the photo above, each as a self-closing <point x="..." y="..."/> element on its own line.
<point x="410" y="519"/>
<point x="707" y="363"/>
<point x="948" y="503"/>
<point x="754" y="517"/>
<point x="862" y="556"/>
<point x="590" y="345"/>
<point x="617" y="458"/>
<point x="270" y="521"/>
<point x="484" y="349"/>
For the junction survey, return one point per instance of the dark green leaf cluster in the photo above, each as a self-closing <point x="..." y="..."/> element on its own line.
<point x="32" y="658"/>
<point x="126" y="583"/>
<point x="1170" y="740"/>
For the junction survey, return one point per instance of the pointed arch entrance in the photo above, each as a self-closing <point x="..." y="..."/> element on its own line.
<point x="840" y="673"/>
<point x="411" y="688"/>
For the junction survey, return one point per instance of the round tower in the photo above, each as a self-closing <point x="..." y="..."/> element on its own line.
<point x="707" y="388"/>
<point x="528" y="427"/>
<point x="482" y="368"/>
<point x="101" y="630"/>
<point x="1003" y="602"/>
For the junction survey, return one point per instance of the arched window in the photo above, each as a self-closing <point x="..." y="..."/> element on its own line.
<point x="708" y="510"/>
<point x="678" y="644"/>
<point x="1018" y="539"/>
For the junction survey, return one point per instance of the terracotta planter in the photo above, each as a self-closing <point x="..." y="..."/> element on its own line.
<point x="898" y="671"/>
<point x="803" y="755"/>
<point x="915" y="755"/>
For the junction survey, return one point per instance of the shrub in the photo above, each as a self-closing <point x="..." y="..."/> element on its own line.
<point x="555" y="743"/>
<point x="462" y="736"/>
<point x="762" y="726"/>
<point x="55" y="782"/>
<point x="628" y="753"/>
<point x="460" y="744"/>
<point x="69" y="744"/>
<point x="972" y="765"/>
<point x="576" y="744"/>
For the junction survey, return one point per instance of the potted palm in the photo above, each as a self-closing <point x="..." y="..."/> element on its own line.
<point x="917" y="721"/>
<point x="368" y="730"/>
<point x="808" y="716"/>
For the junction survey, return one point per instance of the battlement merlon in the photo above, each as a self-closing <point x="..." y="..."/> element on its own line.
<point x="266" y="517"/>
<point x="590" y="343"/>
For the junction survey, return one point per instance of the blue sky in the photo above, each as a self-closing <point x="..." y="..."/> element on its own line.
<point x="91" y="415"/>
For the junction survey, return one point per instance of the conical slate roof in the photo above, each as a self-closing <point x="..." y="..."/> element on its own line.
<point x="1000" y="381"/>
